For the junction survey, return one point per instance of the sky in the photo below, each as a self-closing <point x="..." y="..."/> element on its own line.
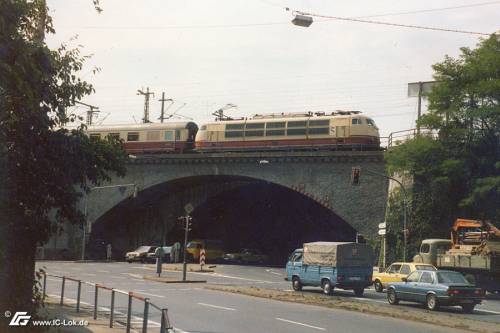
<point x="205" y="54"/>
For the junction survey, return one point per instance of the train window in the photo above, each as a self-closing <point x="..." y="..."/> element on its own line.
<point x="177" y="135"/>
<point x="319" y="122"/>
<point x="275" y="132"/>
<point x="370" y="122"/>
<point x="280" y="124"/>
<point x="296" y="131"/>
<point x="297" y="123"/>
<point x="356" y="121"/>
<point x="254" y="125"/>
<point x="254" y="133"/>
<point x="234" y="126"/>
<point x="133" y="136"/>
<point x="153" y="136"/>
<point x="203" y="128"/>
<point x="234" y="134"/>
<point x="320" y="130"/>
<point x="95" y="136"/>
<point x="169" y="136"/>
<point x="114" y="136"/>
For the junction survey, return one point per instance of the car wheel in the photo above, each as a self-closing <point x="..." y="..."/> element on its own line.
<point x="327" y="287"/>
<point x="468" y="308"/>
<point x="392" y="298"/>
<point x="296" y="284"/>
<point x="432" y="302"/>
<point x="378" y="286"/>
<point x="359" y="292"/>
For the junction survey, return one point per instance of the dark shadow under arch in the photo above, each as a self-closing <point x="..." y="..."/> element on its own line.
<point x="254" y="213"/>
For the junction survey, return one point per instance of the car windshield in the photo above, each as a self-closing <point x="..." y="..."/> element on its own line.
<point x="451" y="277"/>
<point x="142" y="249"/>
<point x="425" y="268"/>
<point x="192" y="245"/>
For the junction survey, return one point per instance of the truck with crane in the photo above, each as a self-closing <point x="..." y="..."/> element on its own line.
<point x="473" y="250"/>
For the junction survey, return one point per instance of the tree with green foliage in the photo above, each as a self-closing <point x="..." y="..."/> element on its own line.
<point x="44" y="166"/>
<point x="455" y="163"/>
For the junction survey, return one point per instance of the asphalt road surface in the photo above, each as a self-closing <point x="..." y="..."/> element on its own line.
<point x="194" y="309"/>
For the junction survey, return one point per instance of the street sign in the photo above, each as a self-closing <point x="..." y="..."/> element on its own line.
<point x="202" y="257"/>
<point x="188" y="208"/>
<point x="382" y="225"/>
<point x="381" y="232"/>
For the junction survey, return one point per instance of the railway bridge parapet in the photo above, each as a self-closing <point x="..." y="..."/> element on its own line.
<point x="324" y="176"/>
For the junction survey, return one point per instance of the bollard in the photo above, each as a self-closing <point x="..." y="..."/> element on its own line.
<point x="44" y="285"/>
<point x="78" y="296"/>
<point x="165" y="323"/>
<point x="62" y="289"/>
<point x="112" y="308"/>
<point x="129" y="311"/>
<point x="162" y="322"/>
<point x="145" y="316"/>
<point x="95" y="300"/>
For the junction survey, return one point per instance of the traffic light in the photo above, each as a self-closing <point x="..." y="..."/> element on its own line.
<point x="355" y="174"/>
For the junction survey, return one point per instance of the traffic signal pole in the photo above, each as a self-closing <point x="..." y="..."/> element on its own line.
<point x="405" y="203"/>
<point x="186" y="231"/>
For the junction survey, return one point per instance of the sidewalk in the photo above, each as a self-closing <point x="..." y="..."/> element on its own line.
<point x="53" y="310"/>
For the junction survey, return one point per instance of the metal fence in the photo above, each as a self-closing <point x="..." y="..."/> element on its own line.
<point x="396" y="138"/>
<point x="165" y="325"/>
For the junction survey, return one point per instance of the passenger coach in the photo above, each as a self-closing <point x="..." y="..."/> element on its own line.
<point x="175" y="137"/>
<point x="338" y="130"/>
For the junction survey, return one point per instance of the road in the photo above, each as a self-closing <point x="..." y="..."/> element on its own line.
<point x="195" y="309"/>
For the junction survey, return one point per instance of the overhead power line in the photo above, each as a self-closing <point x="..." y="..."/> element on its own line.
<point x="328" y="18"/>
<point x="388" y="23"/>
<point x="419" y="11"/>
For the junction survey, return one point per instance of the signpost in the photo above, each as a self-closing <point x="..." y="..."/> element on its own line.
<point x="382" y="232"/>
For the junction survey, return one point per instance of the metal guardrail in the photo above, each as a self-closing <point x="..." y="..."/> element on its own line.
<point x="395" y="138"/>
<point x="165" y="325"/>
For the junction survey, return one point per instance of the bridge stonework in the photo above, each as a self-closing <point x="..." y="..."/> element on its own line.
<point x="322" y="176"/>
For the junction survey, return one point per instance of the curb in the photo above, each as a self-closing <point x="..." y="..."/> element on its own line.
<point x="166" y="280"/>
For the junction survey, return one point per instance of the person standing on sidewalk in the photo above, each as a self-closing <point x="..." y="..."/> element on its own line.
<point x="108" y="252"/>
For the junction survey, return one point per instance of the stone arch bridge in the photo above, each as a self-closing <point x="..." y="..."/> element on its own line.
<point x="168" y="182"/>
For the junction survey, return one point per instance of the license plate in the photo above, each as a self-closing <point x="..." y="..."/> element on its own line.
<point x="355" y="278"/>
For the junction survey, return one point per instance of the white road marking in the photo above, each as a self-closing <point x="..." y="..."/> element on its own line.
<point x="271" y="271"/>
<point x="50" y="279"/>
<point x="117" y="277"/>
<point x="147" y="294"/>
<point x="89" y="274"/>
<point x="102" y="271"/>
<point x="301" y="324"/>
<point x="487" y="311"/>
<point x="217" y="306"/>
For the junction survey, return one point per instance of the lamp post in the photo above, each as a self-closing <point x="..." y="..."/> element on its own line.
<point x="85" y="212"/>
<point x="405" y="202"/>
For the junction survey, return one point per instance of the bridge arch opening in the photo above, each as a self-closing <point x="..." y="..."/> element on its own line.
<point x="241" y="212"/>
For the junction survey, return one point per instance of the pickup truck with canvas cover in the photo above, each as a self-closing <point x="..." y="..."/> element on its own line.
<point x="473" y="250"/>
<point x="331" y="265"/>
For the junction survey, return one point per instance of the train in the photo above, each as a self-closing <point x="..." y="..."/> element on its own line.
<point x="296" y="131"/>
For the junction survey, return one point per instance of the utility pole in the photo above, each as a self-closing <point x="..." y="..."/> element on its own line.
<point x="420" y="89"/>
<point x="187" y="224"/>
<point x="163" y="100"/>
<point x="146" y="95"/>
<point x="90" y="112"/>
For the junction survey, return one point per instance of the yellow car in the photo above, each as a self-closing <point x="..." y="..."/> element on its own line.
<point x="214" y="249"/>
<point x="397" y="271"/>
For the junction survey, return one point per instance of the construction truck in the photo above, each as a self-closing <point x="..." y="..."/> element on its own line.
<point x="473" y="250"/>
